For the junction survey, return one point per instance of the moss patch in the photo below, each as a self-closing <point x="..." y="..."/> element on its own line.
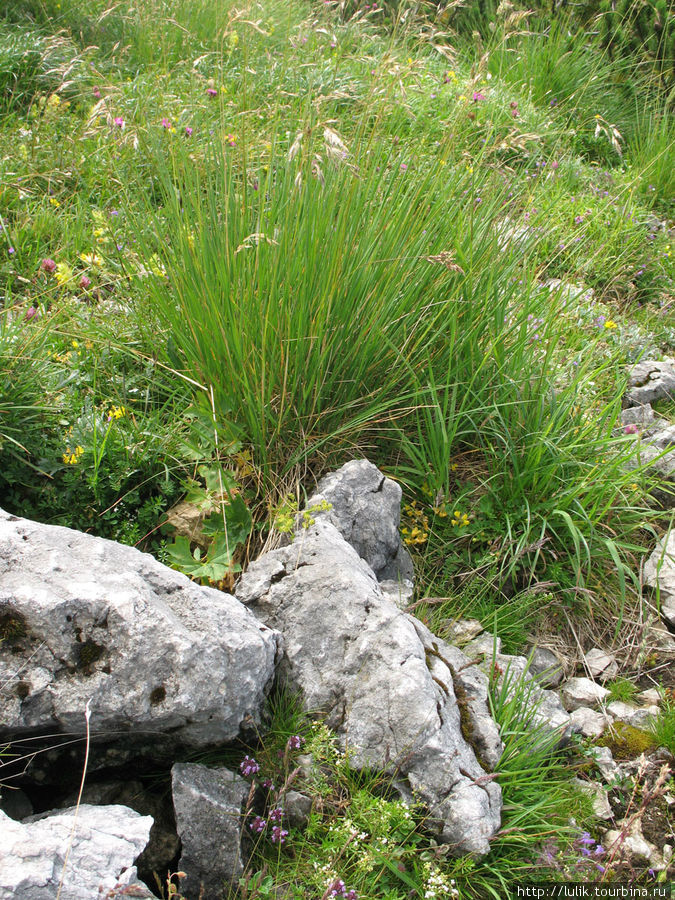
<point x="625" y="741"/>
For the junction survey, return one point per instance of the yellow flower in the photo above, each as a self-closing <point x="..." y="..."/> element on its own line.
<point x="117" y="412"/>
<point x="54" y="101"/>
<point x="75" y="344"/>
<point x="72" y="457"/>
<point x="54" y="202"/>
<point x="610" y="324"/>
<point x="63" y="273"/>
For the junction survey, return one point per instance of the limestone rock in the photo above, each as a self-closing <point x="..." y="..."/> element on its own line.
<point x="604" y="760"/>
<point x="87" y="620"/>
<point x="650" y="380"/>
<point x="366" y="510"/>
<point x="601" y="806"/>
<point x="650" y="697"/>
<point x="514" y="674"/>
<point x="397" y="696"/>
<point x="660" y="573"/>
<point x="637" y="716"/>
<point x="461" y="631"/>
<point x="399" y="592"/>
<point x="601" y="665"/>
<point x="659" y="453"/>
<point x="297" y="808"/>
<point x="546" y="666"/>
<point x="642" y="416"/>
<point x="589" y="722"/>
<point x="208" y="805"/>
<point x="105" y="843"/>
<point x="582" y="692"/>
<point x="485" y="645"/>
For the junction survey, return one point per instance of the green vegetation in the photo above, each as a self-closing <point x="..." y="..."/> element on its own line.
<point x="241" y="243"/>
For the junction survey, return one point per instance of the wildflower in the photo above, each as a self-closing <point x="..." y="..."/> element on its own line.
<point x="97" y="93"/>
<point x="450" y="76"/>
<point x="578" y="220"/>
<point x="188" y="131"/>
<point x="166" y="123"/>
<point x="459" y="518"/>
<point x="477" y="96"/>
<point x="404" y="167"/>
<point x="75" y="344"/>
<point x="295" y="742"/>
<point x="249" y="767"/>
<point x="555" y="164"/>
<point x="116" y="412"/>
<point x="54" y="101"/>
<point x="48" y="265"/>
<point x="11" y="251"/>
<point x="212" y="92"/>
<point x="72" y="457"/>
<point x="610" y="324"/>
<point x="63" y="273"/>
<point x="276" y="815"/>
<point x="278" y="835"/>
<point x="119" y="121"/>
<point x="54" y="202"/>
<point x="30" y="313"/>
<point x="85" y="283"/>
<point x="258" y="825"/>
<point x="268" y="784"/>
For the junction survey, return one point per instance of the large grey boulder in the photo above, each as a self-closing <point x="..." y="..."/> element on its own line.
<point x="650" y="380"/>
<point x="659" y="573"/>
<point x="101" y="851"/>
<point x="400" y="700"/>
<point x="208" y="805"/>
<point x="84" y="619"/>
<point x="366" y="510"/>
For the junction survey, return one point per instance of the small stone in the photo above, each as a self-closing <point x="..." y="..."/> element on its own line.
<point x="601" y="806"/>
<point x="298" y="808"/>
<point x="601" y="665"/>
<point x="461" y="631"/>
<point x="650" y="697"/>
<point x="637" y="716"/>
<point x="642" y="416"/>
<point x="650" y="380"/>
<point x="660" y="574"/>
<point x="582" y="692"/>
<point x="605" y="763"/>
<point x="628" y="842"/>
<point x="589" y="722"/>
<point x="547" y="667"/>
<point x="485" y="645"/>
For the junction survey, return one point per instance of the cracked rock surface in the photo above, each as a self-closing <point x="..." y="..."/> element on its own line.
<point x="650" y="380"/>
<point x="400" y="699"/>
<point x="86" y="619"/>
<point x="103" y="846"/>
<point x="366" y="510"/>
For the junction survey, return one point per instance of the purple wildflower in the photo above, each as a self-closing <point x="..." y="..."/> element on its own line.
<point x="166" y="123"/>
<point x="48" y="265"/>
<point x="248" y="767"/>
<point x="258" y="825"/>
<point x="188" y="131"/>
<point x="31" y="312"/>
<point x="97" y="93"/>
<point x="278" y="835"/>
<point x="119" y="121"/>
<point x="295" y="742"/>
<point x="11" y="251"/>
<point x="477" y="96"/>
<point x="85" y="283"/>
<point x="578" y="220"/>
<point x="212" y="92"/>
<point x="268" y="784"/>
<point x="276" y="815"/>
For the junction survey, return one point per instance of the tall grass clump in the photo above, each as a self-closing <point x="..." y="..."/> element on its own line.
<point x="314" y="289"/>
